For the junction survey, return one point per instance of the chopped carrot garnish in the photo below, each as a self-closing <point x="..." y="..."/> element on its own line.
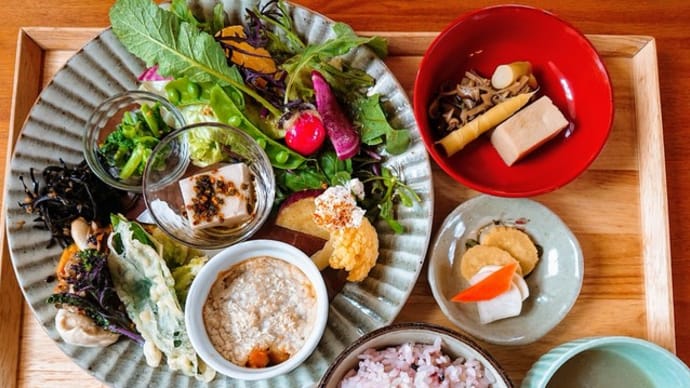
<point x="258" y="358"/>
<point x="490" y="287"/>
<point x="66" y="255"/>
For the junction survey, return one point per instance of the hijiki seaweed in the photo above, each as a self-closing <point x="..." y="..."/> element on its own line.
<point x="68" y="193"/>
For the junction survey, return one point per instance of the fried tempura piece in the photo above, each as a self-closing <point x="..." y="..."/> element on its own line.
<point x="353" y="249"/>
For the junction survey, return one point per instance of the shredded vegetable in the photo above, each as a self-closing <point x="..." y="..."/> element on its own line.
<point x="457" y="105"/>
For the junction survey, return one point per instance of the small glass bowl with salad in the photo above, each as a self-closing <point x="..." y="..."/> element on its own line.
<point x="219" y="190"/>
<point x="121" y="134"/>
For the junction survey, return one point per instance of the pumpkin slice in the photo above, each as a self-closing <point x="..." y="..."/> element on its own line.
<point x="516" y="242"/>
<point x="241" y="53"/>
<point x="480" y="256"/>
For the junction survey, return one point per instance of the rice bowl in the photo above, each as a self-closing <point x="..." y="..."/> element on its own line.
<point x="409" y="353"/>
<point x="415" y="364"/>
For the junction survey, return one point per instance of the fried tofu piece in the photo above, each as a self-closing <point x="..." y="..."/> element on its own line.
<point x="480" y="256"/>
<point x="516" y="242"/>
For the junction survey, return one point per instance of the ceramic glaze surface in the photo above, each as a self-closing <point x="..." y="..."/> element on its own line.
<point x="53" y="131"/>
<point x="554" y="284"/>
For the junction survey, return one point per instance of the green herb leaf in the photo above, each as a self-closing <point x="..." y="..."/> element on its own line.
<point x="300" y="66"/>
<point x="388" y="215"/>
<point x="282" y="37"/>
<point x="384" y="192"/>
<point x="301" y="179"/>
<point x="348" y="82"/>
<point x="337" y="171"/>
<point x="375" y="127"/>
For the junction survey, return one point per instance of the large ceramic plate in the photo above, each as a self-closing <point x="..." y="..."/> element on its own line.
<point x="53" y="131"/>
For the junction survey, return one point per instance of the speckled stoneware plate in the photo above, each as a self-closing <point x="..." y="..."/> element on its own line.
<point x="554" y="284"/>
<point x="53" y="131"/>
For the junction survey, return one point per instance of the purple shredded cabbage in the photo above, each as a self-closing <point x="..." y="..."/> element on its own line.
<point x="93" y="293"/>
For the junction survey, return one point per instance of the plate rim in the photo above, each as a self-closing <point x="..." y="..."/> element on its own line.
<point x="13" y="174"/>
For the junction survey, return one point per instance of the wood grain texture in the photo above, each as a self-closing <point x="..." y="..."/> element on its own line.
<point x="655" y="227"/>
<point x="668" y="22"/>
<point x="615" y="247"/>
<point x="28" y="65"/>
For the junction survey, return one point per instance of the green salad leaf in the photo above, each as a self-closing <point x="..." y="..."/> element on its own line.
<point x="315" y="56"/>
<point x="213" y="25"/>
<point x="375" y="128"/>
<point x="301" y="179"/>
<point x="338" y="172"/>
<point x="179" y="48"/>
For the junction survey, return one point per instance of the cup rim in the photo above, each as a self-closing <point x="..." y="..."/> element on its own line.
<point x="89" y="141"/>
<point x="572" y="348"/>
<point x="227" y="258"/>
<point x="253" y="226"/>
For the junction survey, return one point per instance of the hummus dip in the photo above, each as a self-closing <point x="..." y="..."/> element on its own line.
<point x="260" y="311"/>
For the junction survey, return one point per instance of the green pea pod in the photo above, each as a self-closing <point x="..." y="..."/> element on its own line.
<point x="182" y="91"/>
<point x="226" y="111"/>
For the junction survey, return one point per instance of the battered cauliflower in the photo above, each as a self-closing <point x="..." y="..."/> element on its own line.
<point x="353" y="249"/>
<point x="353" y="243"/>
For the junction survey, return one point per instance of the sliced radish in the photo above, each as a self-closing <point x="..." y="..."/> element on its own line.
<point x="506" y="305"/>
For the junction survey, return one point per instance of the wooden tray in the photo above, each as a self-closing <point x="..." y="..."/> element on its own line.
<point x="617" y="209"/>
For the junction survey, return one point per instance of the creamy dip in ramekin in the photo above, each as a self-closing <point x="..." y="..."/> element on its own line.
<point x="260" y="311"/>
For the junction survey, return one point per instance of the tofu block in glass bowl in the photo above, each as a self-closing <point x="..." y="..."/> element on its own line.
<point x="220" y="190"/>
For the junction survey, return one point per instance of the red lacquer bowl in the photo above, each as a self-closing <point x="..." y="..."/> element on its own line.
<point x="569" y="71"/>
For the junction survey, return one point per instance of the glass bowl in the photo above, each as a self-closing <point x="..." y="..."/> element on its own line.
<point x="106" y="118"/>
<point x="199" y="150"/>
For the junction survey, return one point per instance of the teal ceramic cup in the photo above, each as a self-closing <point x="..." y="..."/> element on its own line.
<point x="610" y="362"/>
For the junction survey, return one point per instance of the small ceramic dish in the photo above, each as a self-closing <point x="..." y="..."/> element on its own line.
<point x="453" y="344"/>
<point x="163" y="194"/>
<point x="105" y="119"/>
<point x="211" y="272"/>
<point x="613" y="361"/>
<point x="554" y="284"/>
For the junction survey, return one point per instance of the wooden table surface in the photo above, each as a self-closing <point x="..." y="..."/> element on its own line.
<point x="667" y="21"/>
